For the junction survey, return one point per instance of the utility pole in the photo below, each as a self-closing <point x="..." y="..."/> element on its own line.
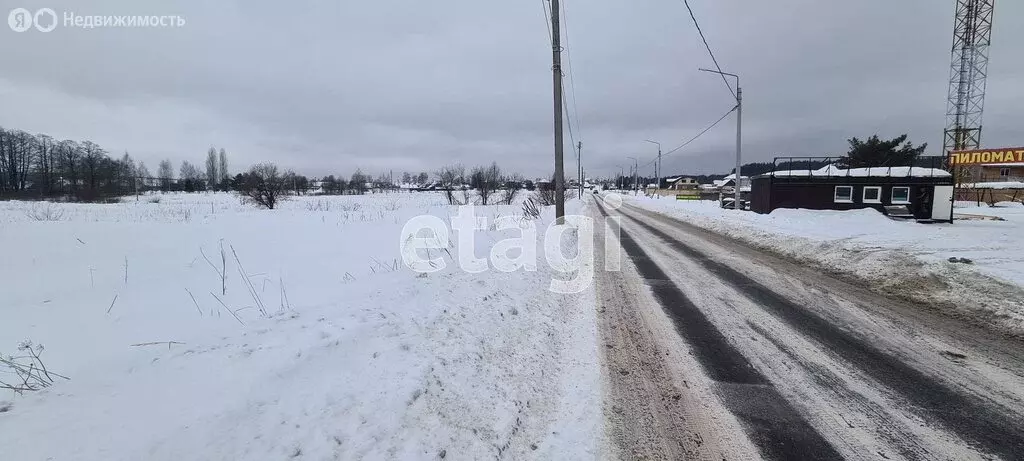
<point x="556" y="68"/>
<point x="579" y="165"/>
<point x="636" y="173"/>
<point x="636" y="177"/>
<point x="739" y="132"/>
<point x="657" y="165"/>
<point x="739" y="142"/>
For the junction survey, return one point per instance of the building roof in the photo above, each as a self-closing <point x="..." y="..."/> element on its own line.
<point x="1004" y="164"/>
<point x="871" y="172"/>
<point x="995" y="185"/>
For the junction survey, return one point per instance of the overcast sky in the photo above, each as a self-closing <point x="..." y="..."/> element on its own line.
<point x="326" y="87"/>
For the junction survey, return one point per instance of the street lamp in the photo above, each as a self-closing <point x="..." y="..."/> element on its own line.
<point x="621" y="178"/>
<point x="657" y="168"/>
<point x="739" y="129"/>
<point x="636" y="170"/>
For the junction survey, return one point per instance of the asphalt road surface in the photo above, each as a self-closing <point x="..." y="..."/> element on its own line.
<point x="713" y="350"/>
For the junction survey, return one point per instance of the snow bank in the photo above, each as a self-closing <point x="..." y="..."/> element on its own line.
<point x="900" y="258"/>
<point x="995" y="185"/>
<point x="357" y="357"/>
<point x="874" y="172"/>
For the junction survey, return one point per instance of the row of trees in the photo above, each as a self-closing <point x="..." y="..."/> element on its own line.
<point x="37" y="165"/>
<point x="485" y="180"/>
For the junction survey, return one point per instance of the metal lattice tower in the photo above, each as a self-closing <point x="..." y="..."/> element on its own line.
<point x="972" y="34"/>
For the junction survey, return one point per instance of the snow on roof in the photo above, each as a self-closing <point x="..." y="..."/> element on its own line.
<point x="995" y="185"/>
<point x="871" y="172"/>
<point x="1004" y="164"/>
<point x="733" y="176"/>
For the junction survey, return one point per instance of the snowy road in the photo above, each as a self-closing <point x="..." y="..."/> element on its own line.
<point x="715" y="350"/>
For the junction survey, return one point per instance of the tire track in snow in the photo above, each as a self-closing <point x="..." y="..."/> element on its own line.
<point x="773" y="425"/>
<point x="971" y="418"/>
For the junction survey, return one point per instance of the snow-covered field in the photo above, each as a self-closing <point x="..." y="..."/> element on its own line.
<point x="900" y="258"/>
<point x="338" y="351"/>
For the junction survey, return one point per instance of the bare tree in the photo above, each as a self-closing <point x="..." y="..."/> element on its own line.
<point x="166" y="174"/>
<point x="512" y="185"/>
<point x="545" y="193"/>
<point x="358" y="182"/>
<point x="46" y="163"/>
<point x="126" y="173"/>
<point x="143" y="174"/>
<point x="16" y="157"/>
<point x="70" y="155"/>
<point x="450" y="177"/>
<point x="383" y="182"/>
<point x="486" y="180"/>
<point x="190" y="177"/>
<point x="263" y="185"/>
<point x="222" y="167"/>
<point x="92" y="162"/>
<point x="212" y="178"/>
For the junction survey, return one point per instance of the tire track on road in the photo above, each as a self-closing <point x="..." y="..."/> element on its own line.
<point x="969" y="417"/>
<point x="773" y="425"/>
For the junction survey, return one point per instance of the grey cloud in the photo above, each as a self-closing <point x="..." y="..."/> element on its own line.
<point x="328" y="87"/>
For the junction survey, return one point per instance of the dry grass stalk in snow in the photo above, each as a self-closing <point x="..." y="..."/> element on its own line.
<point x="45" y="212"/>
<point x="29" y="370"/>
<point x="531" y="210"/>
<point x="157" y="343"/>
<point x="220" y="271"/>
<point x="248" y="284"/>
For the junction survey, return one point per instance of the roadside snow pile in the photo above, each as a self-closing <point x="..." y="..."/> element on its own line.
<point x="995" y="185"/>
<point x="899" y="258"/>
<point x="356" y="357"/>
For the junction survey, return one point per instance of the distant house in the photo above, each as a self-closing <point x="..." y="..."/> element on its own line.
<point x="921" y="193"/>
<point x="728" y="180"/>
<point x="993" y="183"/>
<point x="1002" y="172"/>
<point x="682" y="183"/>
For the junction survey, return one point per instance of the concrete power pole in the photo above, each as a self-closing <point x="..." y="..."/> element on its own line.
<point x="556" y="57"/>
<point x="579" y="166"/>
<point x="739" y="142"/>
<point x="635" y="173"/>
<point x="636" y="177"/>
<point x="657" y="166"/>
<point x="739" y="132"/>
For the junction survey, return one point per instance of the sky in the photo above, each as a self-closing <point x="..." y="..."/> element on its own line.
<point x="326" y="87"/>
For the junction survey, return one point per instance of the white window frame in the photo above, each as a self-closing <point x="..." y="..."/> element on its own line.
<point x="1004" y="172"/>
<point x="835" y="195"/>
<point x="864" y="194"/>
<point x="900" y="202"/>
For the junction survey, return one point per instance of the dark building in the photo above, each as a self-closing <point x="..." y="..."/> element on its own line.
<point x="912" y="192"/>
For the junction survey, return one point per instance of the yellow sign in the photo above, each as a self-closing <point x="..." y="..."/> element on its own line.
<point x="983" y="156"/>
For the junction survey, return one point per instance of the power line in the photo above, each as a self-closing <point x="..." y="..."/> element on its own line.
<point x="568" y="122"/>
<point x="547" y="17"/>
<point x="705" y="40"/>
<point x="688" y="141"/>
<point x="572" y="84"/>
<point x="572" y="78"/>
